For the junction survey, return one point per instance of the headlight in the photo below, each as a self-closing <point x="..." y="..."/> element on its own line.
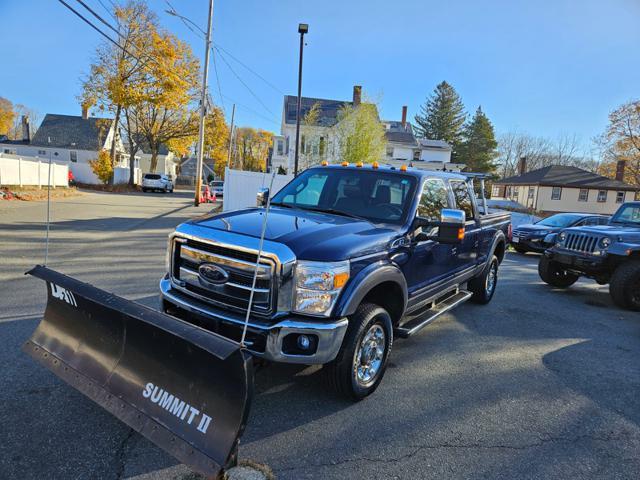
<point x="318" y="285"/>
<point x="605" y="242"/>
<point x="561" y="237"/>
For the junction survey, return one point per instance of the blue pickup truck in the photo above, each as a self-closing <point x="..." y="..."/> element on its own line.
<point x="352" y="257"/>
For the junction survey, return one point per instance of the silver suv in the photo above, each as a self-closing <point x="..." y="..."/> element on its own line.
<point x="157" y="181"/>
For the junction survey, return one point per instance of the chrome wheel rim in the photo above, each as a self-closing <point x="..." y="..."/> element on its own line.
<point x="369" y="356"/>
<point x="491" y="278"/>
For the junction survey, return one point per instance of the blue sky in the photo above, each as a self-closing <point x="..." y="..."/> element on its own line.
<point x="543" y="67"/>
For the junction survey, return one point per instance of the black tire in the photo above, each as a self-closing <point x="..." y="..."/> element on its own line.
<point x="552" y="273"/>
<point x="484" y="285"/>
<point x="341" y="373"/>
<point x="520" y="249"/>
<point x="624" y="287"/>
<point x="144" y="190"/>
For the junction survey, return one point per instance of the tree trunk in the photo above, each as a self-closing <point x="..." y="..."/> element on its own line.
<point x="154" y="158"/>
<point x="132" y="162"/>
<point x="116" y="121"/>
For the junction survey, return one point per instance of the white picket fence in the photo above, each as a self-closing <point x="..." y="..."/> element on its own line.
<point x="21" y="171"/>
<point x="240" y="187"/>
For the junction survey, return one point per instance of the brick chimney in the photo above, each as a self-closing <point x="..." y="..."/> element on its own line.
<point x="522" y="166"/>
<point x="26" y="131"/>
<point x="404" y="117"/>
<point x="620" y="168"/>
<point x="357" y="95"/>
<point x="85" y="111"/>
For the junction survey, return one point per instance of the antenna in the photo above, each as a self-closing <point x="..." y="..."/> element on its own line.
<point x="46" y="251"/>
<point x="255" y="273"/>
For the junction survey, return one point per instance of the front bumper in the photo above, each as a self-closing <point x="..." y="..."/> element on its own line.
<point x="589" y="264"/>
<point x="264" y="339"/>
<point x="534" y="245"/>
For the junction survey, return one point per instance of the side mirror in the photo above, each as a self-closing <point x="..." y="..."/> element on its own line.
<point x="262" y="197"/>
<point x="451" y="226"/>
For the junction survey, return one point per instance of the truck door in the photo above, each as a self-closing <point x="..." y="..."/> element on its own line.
<point x="466" y="253"/>
<point x="428" y="261"/>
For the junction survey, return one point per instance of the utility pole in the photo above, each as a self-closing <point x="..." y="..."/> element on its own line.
<point x="203" y="107"/>
<point x="233" y="114"/>
<point x="302" y="29"/>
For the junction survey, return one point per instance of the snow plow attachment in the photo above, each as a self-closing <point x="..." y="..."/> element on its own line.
<point x="185" y="389"/>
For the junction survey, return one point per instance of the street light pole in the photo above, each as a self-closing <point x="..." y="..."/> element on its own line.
<point x="203" y="107"/>
<point x="302" y="29"/>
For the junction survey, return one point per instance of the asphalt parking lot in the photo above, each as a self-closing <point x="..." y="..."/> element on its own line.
<point x="540" y="383"/>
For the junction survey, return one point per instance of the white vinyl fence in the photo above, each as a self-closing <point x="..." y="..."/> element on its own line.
<point x="21" y="171"/>
<point x="240" y="187"/>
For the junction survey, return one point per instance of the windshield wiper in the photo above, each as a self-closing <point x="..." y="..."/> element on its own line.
<point x="280" y="204"/>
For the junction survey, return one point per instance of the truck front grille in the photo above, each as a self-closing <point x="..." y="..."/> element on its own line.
<point x="188" y="255"/>
<point x="580" y="242"/>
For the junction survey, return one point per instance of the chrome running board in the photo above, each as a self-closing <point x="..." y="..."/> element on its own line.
<point x="418" y="322"/>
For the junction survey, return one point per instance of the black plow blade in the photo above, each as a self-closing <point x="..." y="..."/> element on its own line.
<point x="185" y="389"/>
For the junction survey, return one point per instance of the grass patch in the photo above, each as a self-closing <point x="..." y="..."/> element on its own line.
<point x="33" y="193"/>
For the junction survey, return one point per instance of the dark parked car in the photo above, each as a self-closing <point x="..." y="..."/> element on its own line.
<point x="538" y="236"/>
<point x="353" y="257"/>
<point x="608" y="254"/>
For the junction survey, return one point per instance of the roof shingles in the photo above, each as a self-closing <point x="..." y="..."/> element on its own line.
<point x="73" y="132"/>
<point x="566" y="176"/>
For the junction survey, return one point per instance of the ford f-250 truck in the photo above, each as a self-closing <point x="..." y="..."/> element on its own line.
<point x="353" y="256"/>
<point x="607" y="253"/>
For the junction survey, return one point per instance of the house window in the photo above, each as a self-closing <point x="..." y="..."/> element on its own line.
<point x="531" y="192"/>
<point x="389" y="151"/>
<point x="516" y="192"/>
<point x="73" y="156"/>
<point x="620" y="197"/>
<point x="322" y="146"/>
<point x="302" y="144"/>
<point x="495" y="191"/>
<point x="42" y="152"/>
<point x="583" y="196"/>
<point x="286" y="147"/>
<point x="602" y="196"/>
<point x="280" y="147"/>
<point x="556" y="193"/>
<point x="416" y="154"/>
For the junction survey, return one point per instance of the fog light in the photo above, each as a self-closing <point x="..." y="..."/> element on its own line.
<point x="304" y="342"/>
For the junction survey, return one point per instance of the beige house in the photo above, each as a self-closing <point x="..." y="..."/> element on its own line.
<point x="560" y="188"/>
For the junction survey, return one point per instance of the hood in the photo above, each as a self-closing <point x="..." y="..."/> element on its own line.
<point x="533" y="228"/>
<point x="310" y="235"/>
<point x="613" y="231"/>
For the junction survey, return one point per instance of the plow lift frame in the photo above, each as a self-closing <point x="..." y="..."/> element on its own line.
<point x="186" y="389"/>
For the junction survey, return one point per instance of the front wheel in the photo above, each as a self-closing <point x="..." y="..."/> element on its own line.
<point x="360" y="365"/>
<point x="552" y="273"/>
<point x="484" y="285"/>
<point x="625" y="286"/>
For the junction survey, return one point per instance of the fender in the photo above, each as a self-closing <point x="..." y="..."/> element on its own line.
<point x="623" y="249"/>
<point x="367" y="279"/>
<point x="499" y="236"/>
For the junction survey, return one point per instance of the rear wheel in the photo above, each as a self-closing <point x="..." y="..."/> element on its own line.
<point x="552" y="273"/>
<point x="144" y="190"/>
<point x="360" y="365"/>
<point x="625" y="286"/>
<point x="484" y="286"/>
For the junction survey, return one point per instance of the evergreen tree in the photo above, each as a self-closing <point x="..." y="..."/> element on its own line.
<point x="442" y="116"/>
<point x="479" y="146"/>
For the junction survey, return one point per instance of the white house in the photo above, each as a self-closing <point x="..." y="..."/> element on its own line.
<point x="559" y="188"/>
<point x="72" y="139"/>
<point x="319" y="142"/>
<point x="167" y="162"/>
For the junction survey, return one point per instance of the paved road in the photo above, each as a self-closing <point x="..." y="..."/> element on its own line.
<point x="538" y="384"/>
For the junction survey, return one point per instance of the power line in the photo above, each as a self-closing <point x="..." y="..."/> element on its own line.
<point x="108" y="10"/>
<point x="250" y="69"/>
<point x="244" y="84"/>
<point x="215" y="69"/>
<point x="100" y="19"/>
<point x="251" y="110"/>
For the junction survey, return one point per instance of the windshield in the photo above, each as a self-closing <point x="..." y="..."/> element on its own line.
<point x="561" y="220"/>
<point x="217" y="183"/>
<point x="627" y="214"/>
<point x="370" y="194"/>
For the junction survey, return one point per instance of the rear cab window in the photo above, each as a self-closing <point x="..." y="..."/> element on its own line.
<point x="151" y="176"/>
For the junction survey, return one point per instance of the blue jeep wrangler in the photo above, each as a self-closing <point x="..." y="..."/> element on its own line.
<point x="353" y="256"/>
<point x="607" y="253"/>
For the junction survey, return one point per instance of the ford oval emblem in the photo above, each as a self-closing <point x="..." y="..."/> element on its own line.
<point x="213" y="274"/>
